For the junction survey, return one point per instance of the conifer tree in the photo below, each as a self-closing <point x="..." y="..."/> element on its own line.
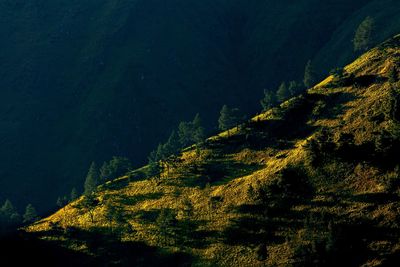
<point x="228" y="118"/>
<point x="309" y="75"/>
<point x="172" y="146"/>
<point x="295" y="88"/>
<point x="198" y="131"/>
<point x="91" y="179"/>
<point x="269" y="100"/>
<point x="364" y="35"/>
<point x="30" y="214"/>
<point x="74" y="194"/>
<point x="185" y="132"/>
<point x="9" y="214"/>
<point x="283" y="92"/>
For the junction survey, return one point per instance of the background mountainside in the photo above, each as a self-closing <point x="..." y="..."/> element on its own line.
<point x="314" y="181"/>
<point x="85" y="80"/>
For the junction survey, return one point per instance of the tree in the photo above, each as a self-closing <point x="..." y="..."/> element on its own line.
<point x="269" y="100"/>
<point x="114" y="214"/>
<point x="30" y="214"/>
<point x="337" y="73"/>
<point x="172" y="146"/>
<point x="154" y="167"/>
<point x="166" y="222"/>
<point x="91" y="179"/>
<point x="116" y="167"/>
<point x="185" y="133"/>
<point x="228" y="118"/>
<point x="9" y="214"/>
<point x="61" y="201"/>
<point x="364" y="35"/>
<point x="74" y="194"/>
<point x="191" y="132"/>
<point x="309" y="75"/>
<point x="295" y="88"/>
<point x="88" y="203"/>
<point x="393" y="76"/>
<point x="283" y="92"/>
<point x="198" y="131"/>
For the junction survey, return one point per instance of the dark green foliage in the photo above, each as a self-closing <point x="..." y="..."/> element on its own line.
<point x="9" y="215"/>
<point x="172" y="146"/>
<point x="364" y="36"/>
<point x="337" y="73"/>
<point x="92" y="179"/>
<point x="283" y="92"/>
<point x="319" y="147"/>
<point x="291" y="185"/>
<point x="115" y="168"/>
<point x="30" y="214"/>
<point x="393" y="75"/>
<point x="74" y="194"/>
<point x="229" y="118"/>
<point x="115" y="215"/>
<point x="295" y="88"/>
<point x="198" y="131"/>
<point x="88" y="203"/>
<point x="117" y="102"/>
<point x="269" y="100"/>
<point x="191" y="132"/>
<point x="61" y="201"/>
<point x="153" y="169"/>
<point x="310" y="75"/>
<point x="166" y="222"/>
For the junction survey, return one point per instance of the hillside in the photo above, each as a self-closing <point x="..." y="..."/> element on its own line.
<point x="83" y="81"/>
<point x="312" y="182"/>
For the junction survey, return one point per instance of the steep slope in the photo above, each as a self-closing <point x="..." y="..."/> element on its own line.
<point x="314" y="181"/>
<point x="86" y="80"/>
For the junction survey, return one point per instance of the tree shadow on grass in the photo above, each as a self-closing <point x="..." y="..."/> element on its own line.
<point x="105" y="249"/>
<point x="133" y="200"/>
<point x="216" y="173"/>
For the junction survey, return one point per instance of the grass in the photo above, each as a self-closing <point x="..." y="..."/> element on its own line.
<point x="214" y="219"/>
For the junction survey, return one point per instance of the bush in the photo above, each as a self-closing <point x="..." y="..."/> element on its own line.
<point x="290" y="186"/>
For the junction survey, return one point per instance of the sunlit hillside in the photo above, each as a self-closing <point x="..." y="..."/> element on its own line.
<point x="312" y="182"/>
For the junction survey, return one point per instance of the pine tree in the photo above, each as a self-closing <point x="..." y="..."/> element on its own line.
<point x="185" y="133"/>
<point x="295" y="88"/>
<point x="173" y="145"/>
<point x="9" y="214"/>
<point x="283" y="92"/>
<point x="198" y="131"/>
<point x="30" y="214"/>
<point x="116" y="167"/>
<point x="62" y="201"/>
<point x="309" y="75"/>
<point x="228" y="118"/>
<point x="166" y="221"/>
<point x="191" y="132"/>
<point x="364" y="35"/>
<point x="91" y="179"/>
<point x="74" y="194"/>
<point x="269" y="100"/>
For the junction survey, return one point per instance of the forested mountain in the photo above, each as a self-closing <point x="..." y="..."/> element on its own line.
<point x="82" y="81"/>
<point x="313" y="181"/>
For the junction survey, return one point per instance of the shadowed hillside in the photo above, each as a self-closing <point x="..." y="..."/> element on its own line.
<point x="82" y="81"/>
<point x="312" y="182"/>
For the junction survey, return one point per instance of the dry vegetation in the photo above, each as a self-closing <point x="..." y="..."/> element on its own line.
<point x="240" y="201"/>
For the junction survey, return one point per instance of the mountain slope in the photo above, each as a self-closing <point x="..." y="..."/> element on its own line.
<point x="87" y="80"/>
<point x="314" y="181"/>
